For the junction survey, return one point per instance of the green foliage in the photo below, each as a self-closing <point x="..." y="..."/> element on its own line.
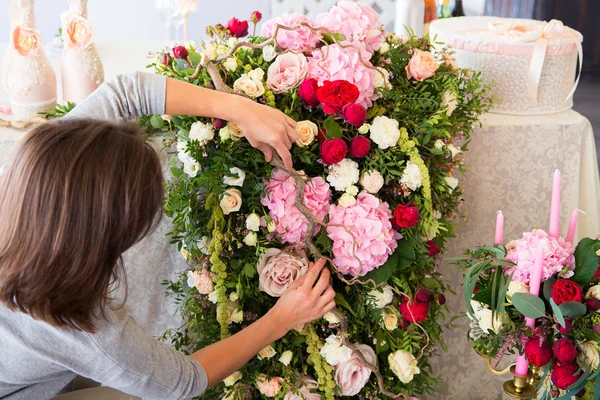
<point x="586" y="260"/>
<point x="529" y="305"/>
<point x="60" y="110"/>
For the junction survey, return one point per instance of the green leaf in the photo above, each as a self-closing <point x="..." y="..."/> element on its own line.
<point x="484" y="296"/>
<point x="557" y="313"/>
<point x="341" y="300"/>
<point x="334" y="130"/>
<point x="382" y="342"/>
<point x="548" y="288"/>
<point x="406" y="251"/>
<point x="597" y="388"/>
<point x="194" y="58"/>
<point x="157" y="121"/>
<point x="586" y="261"/>
<point x="572" y="309"/>
<point x="250" y="270"/>
<point x="430" y="283"/>
<point x="529" y="305"/>
<point x="298" y="340"/>
<point x="324" y="241"/>
<point x="383" y="273"/>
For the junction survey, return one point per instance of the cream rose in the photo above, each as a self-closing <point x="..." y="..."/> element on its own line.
<point x="594" y="292"/>
<point x="372" y="181"/>
<point x="452" y="182"/>
<point x="382" y="78"/>
<point x="234" y="131"/>
<point x="334" y="351"/>
<point x="589" y="354"/>
<point x="251" y="87"/>
<point x="390" y="319"/>
<point x="411" y="177"/>
<point x="381" y="297"/>
<point x="231" y="201"/>
<point x="201" y="132"/>
<point x="385" y="47"/>
<point x="232" y="180"/>
<point x="269" y="53"/>
<point x="251" y="239"/>
<point x="233" y="378"/>
<point x="253" y="222"/>
<point x="307" y="130"/>
<point x="364" y="129"/>
<point x="439" y="144"/>
<point x="385" y="132"/>
<point x="351" y="376"/>
<point x="404" y="365"/>
<point x="286" y="357"/>
<point x="230" y="64"/>
<point x="516" y="287"/>
<point x="266" y="353"/>
<point x="224" y="134"/>
<point x="277" y="270"/>
<point x="269" y="386"/>
<point x="331" y="318"/>
<point x="454" y="150"/>
<point x="421" y="66"/>
<point x="287" y="72"/>
<point x="347" y="200"/>
<point x="449" y="101"/>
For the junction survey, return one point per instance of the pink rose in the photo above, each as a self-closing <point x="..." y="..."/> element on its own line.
<point x="287" y="72"/>
<point x="306" y="384"/>
<point x="300" y="40"/>
<point x="277" y="270"/>
<point x="351" y="376"/>
<point x="201" y="281"/>
<point x="268" y="386"/>
<point x="421" y="66"/>
<point x="76" y="30"/>
<point x="25" y="40"/>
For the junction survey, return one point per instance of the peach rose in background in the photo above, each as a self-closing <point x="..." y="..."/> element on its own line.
<point x="201" y="281"/>
<point x="269" y="386"/>
<point x="76" y="30"/>
<point x="307" y="130"/>
<point x="287" y="72"/>
<point x="25" y="40"/>
<point x="421" y="66"/>
<point x="351" y="376"/>
<point x="231" y="201"/>
<point x="277" y="270"/>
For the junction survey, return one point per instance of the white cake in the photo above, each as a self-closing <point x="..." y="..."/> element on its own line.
<point x="531" y="65"/>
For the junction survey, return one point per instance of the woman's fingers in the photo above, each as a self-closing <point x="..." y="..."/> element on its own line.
<point x="267" y="151"/>
<point x="322" y="284"/>
<point x="313" y="273"/>
<point x="284" y="153"/>
<point x="328" y="307"/>
<point x="326" y="298"/>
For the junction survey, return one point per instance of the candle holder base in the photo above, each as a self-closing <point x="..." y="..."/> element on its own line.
<point x="518" y="387"/>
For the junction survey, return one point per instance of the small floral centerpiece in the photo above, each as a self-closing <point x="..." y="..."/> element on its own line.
<point x="374" y="189"/>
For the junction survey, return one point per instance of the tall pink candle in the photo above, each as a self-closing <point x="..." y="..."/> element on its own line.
<point x="572" y="226"/>
<point x="554" y="230"/>
<point x="499" y="237"/>
<point x="535" y="281"/>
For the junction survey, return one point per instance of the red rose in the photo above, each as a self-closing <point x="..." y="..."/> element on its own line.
<point x="180" y="52"/>
<point x="563" y="375"/>
<point x="597" y="274"/>
<point x="413" y="311"/>
<point x="336" y="95"/>
<point x="433" y="248"/>
<point x="355" y="114"/>
<point x="423" y="296"/>
<point x="219" y="123"/>
<point x="333" y="151"/>
<point x="593" y="304"/>
<point x="538" y="352"/>
<point x="166" y="59"/>
<point x="565" y="290"/>
<point x="404" y="324"/>
<point x="255" y="17"/>
<point x="308" y="92"/>
<point x="564" y="351"/>
<point x="406" y="216"/>
<point x="568" y="326"/>
<point x="441" y="299"/>
<point x="237" y="28"/>
<point x="322" y="135"/>
<point x="360" y="147"/>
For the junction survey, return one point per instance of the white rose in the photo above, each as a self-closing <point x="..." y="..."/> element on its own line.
<point x="182" y="153"/>
<point x="454" y="150"/>
<point x="382" y="78"/>
<point x="191" y="168"/>
<point x="257" y="74"/>
<point x="404" y="365"/>
<point x="267" y="352"/>
<point x="253" y="222"/>
<point x="594" y="291"/>
<point x="202" y="132"/>
<point x="343" y="174"/>
<point x="212" y="297"/>
<point x="235" y="314"/>
<point x="233" y="378"/>
<point x="203" y="245"/>
<point x="232" y="41"/>
<point x="231" y="201"/>
<point x="251" y="87"/>
<point x="385" y="132"/>
<point x="452" y="182"/>
<point x="381" y="297"/>
<point x="268" y="53"/>
<point x="516" y="287"/>
<point x="384" y="48"/>
<point x="390" y="319"/>
<point x="352" y="190"/>
<point x="589" y="354"/>
<point x="346" y="200"/>
<point x="372" y="181"/>
<point x="222" y="50"/>
<point x="335" y="352"/>
<point x="234" y="131"/>
<point x="224" y="134"/>
<point x="286" y="357"/>
<point x="489" y="321"/>
<point x="234" y="296"/>
<point x="449" y="101"/>
<point x="364" y="129"/>
<point x="230" y="64"/>
<point x="235" y="181"/>
<point x="307" y="130"/>
<point x="271" y="226"/>
<point x="331" y="318"/>
<point x="411" y="176"/>
<point x="251" y="239"/>
<point x="439" y="144"/>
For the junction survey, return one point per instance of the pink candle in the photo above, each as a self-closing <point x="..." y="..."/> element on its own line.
<point x="572" y="226"/>
<point x="499" y="237"/>
<point x="554" y="229"/>
<point x="535" y="281"/>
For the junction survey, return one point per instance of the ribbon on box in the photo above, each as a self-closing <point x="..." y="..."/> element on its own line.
<point x="540" y="35"/>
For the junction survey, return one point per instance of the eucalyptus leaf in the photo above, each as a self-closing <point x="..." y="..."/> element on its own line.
<point x="557" y="313"/>
<point x="548" y="288"/>
<point x="529" y="305"/>
<point x="572" y="309"/>
<point x="334" y="130"/>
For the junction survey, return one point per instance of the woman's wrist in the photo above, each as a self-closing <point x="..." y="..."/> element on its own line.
<point x="279" y="323"/>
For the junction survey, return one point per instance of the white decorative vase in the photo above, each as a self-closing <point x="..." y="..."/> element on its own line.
<point x="409" y="13"/>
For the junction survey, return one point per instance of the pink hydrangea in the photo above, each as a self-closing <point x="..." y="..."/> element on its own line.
<point x="363" y="238"/>
<point x="558" y="254"/>
<point x="357" y="22"/>
<point x="332" y="63"/>
<point x="301" y="40"/>
<point x="280" y="196"/>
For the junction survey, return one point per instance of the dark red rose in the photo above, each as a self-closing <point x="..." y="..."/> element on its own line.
<point x="360" y="147"/>
<point x="256" y="16"/>
<point x="597" y="274"/>
<point x="475" y="290"/>
<point x="166" y="59"/>
<point x="406" y="216"/>
<point x="237" y="28"/>
<point x="593" y="304"/>
<point x="308" y="92"/>
<point x="564" y="351"/>
<point x="433" y="248"/>
<point x="565" y="290"/>
<point x="403" y="324"/>
<point x="336" y="95"/>
<point x="596" y="328"/>
<point x="413" y="311"/>
<point x="441" y="299"/>
<point x="568" y="326"/>
<point x="538" y="352"/>
<point x="423" y="295"/>
<point x="581" y="393"/>
<point x="563" y="375"/>
<point x="322" y="135"/>
<point x="219" y="123"/>
<point x="333" y="151"/>
<point x="180" y="52"/>
<point x="355" y="114"/>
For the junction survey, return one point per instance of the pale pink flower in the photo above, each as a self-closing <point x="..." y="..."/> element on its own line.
<point x="421" y="66"/>
<point x="332" y="63"/>
<point x="287" y="72"/>
<point x="25" y="40"/>
<point x="269" y="386"/>
<point x="76" y="30"/>
<point x="201" y="281"/>
<point x="304" y="391"/>
<point x="357" y="22"/>
<point x="558" y="254"/>
<point x="351" y="376"/>
<point x="365" y="239"/>
<point x="301" y="40"/>
<point x="277" y="270"/>
<point x="280" y="196"/>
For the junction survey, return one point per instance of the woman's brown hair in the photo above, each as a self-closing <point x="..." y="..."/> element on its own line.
<point x="75" y="196"/>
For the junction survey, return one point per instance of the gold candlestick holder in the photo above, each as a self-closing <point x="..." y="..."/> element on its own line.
<point x="519" y="387"/>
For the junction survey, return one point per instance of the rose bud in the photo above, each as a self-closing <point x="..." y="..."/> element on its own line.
<point x="166" y="59"/>
<point x="180" y="52"/>
<point x="355" y="114"/>
<point x="322" y="135"/>
<point x="414" y="311"/>
<point x="403" y="324"/>
<point x="475" y="291"/>
<point x="333" y="151"/>
<point x="308" y="92"/>
<point x="360" y="147"/>
<point x="406" y="216"/>
<point x="581" y="393"/>
<point x="441" y="299"/>
<point x="255" y="17"/>
<point x="423" y="295"/>
<point x="564" y="350"/>
<point x="219" y="123"/>
<point x="237" y="28"/>
<point x="433" y="248"/>
<point x="563" y="375"/>
<point x="593" y="304"/>
<point x="565" y="290"/>
<point x="568" y="326"/>
<point x="596" y="328"/>
<point x="538" y="352"/>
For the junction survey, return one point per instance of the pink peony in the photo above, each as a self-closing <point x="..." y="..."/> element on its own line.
<point x="287" y="72"/>
<point x="421" y="66"/>
<point x="366" y="238"/>
<point x="351" y="376"/>
<point x="301" y="40"/>
<point x="558" y="254"/>
<point x="269" y="386"/>
<point x="201" y="280"/>
<point x="304" y="390"/>
<point x="332" y="63"/>
<point x="280" y="196"/>
<point x="277" y="270"/>
<point x="357" y="22"/>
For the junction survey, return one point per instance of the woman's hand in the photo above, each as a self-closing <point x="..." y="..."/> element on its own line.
<point x="307" y="299"/>
<point x="266" y="129"/>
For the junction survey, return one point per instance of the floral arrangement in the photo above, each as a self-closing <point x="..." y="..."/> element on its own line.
<point x="562" y="344"/>
<point x="374" y="190"/>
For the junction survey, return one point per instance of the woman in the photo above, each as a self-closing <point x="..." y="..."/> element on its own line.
<point x="77" y="194"/>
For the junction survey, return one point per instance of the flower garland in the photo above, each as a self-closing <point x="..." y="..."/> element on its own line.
<point x="409" y="147"/>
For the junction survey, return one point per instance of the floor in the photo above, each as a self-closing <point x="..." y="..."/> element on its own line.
<point x="587" y="102"/>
